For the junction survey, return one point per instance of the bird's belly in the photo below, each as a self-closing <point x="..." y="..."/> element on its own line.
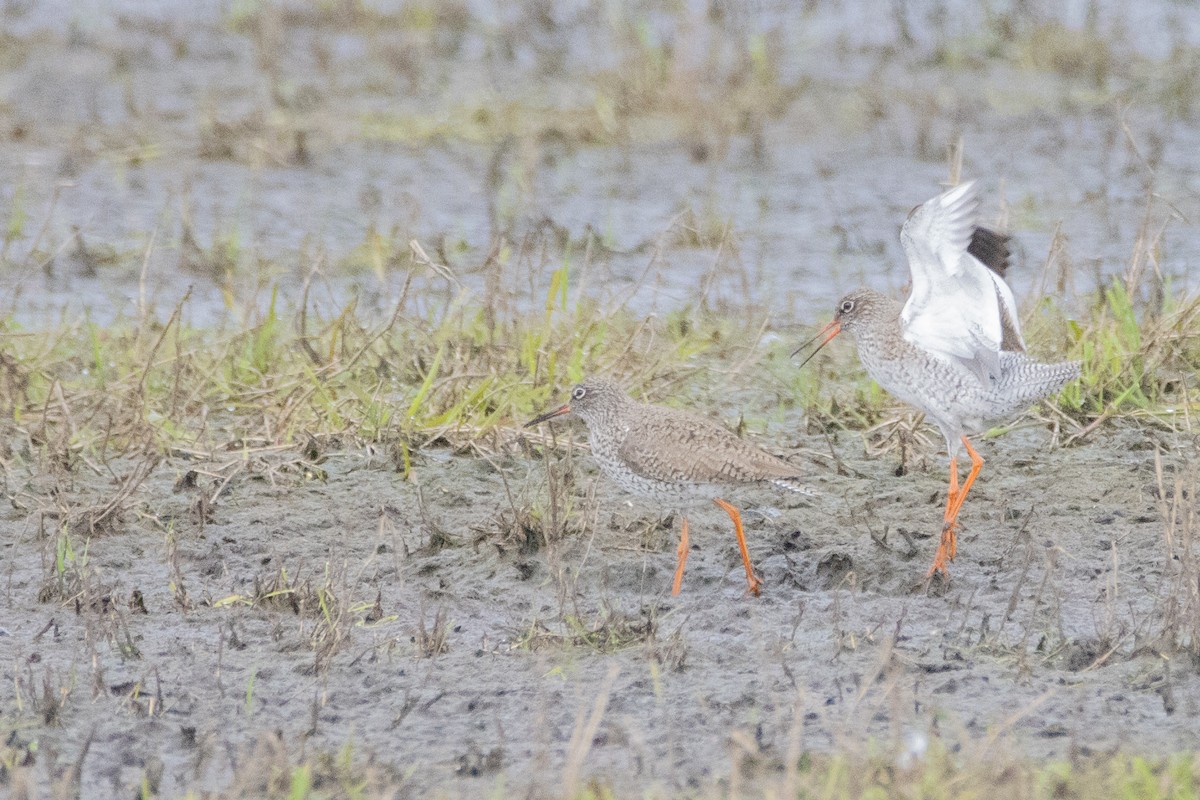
<point x="947" y="393"/>
<point x="667" y="492"/>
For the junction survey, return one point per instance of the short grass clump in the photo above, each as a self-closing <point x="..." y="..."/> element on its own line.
<point x="939" y="772"/>
<point x="604" y="631"/>
<point x="1139" y="348"/>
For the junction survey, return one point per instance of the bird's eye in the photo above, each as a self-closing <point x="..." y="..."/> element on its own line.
<point x="847" y="306"/>
<point x="578" y="392"/>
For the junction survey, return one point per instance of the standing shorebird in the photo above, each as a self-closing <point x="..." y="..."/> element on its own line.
<point x="954" y="350"/>
<point x="672" y="457"/>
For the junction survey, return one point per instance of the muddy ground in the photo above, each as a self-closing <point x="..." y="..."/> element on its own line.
<point x="456" y="664"/>
<point x="458" y="630"/>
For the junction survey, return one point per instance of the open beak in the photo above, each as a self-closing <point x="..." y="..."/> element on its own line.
<point x="829" y="331"/>
<point x="558" y="412"/>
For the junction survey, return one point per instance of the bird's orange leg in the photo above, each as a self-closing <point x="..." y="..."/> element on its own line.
<point x="976" y="465"/>
<point x="949" y="544"/>
<point x="682" y="554"/>
<point x="952" y="493"/>
<point x="951" y="498"/>
<point x="752" y="579"/>
<point x="945" y="546"/>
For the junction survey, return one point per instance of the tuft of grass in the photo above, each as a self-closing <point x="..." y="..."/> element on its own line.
<point x="46" y="698"/>
<point x="1077" y="53"/>
<point x="328" y="603"/>
<point x="274" y="770"/>
<point x="1133" y="361"/>
<point x="433" y="639"/>
<point x="1174" y="627"/>
<point x="933" y="772"/>
<point x="606" y="631"/>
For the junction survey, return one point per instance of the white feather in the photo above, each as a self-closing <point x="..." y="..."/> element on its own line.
<point x="956" y="305"/>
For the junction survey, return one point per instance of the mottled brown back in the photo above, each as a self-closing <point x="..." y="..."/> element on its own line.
<point x="673" y="445"/>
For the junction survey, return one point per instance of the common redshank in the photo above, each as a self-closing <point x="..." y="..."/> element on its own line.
<point x="954" y="349"/>
<point x="672" y="457"/>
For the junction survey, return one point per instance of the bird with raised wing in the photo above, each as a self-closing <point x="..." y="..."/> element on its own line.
<point x="954" y="349"/>
<point x="672" y="457"/>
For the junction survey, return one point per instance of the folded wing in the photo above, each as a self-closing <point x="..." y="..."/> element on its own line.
<point x="680" y="446"/>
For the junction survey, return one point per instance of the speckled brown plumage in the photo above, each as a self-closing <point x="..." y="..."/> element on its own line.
<point x="678" y="447"/>
<point x="671" y="456"/>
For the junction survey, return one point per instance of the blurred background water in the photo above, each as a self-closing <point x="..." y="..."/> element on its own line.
<point x="731" y="155"/>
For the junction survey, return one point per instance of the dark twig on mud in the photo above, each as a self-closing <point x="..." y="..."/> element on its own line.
<point x="842" y="469"/>
<point x="74" y="776"/>
<point x="303" y="322"/>
<point x="158" y="342"/>
<point x="1091" y="426"/>
<point x="97" y="516"/>
<point x="391" y="323"/>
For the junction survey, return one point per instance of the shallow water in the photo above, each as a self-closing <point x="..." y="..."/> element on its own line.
<point x="112" y="103"/>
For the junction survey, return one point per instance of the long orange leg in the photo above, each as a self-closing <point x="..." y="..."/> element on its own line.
<point x="751" y="578"/>
<point x="949" y="544"/>
<point x="953" y="493"/>
<point x="943" y="551"/>
<point x="976" y="465"/>
<point x="951" y="499"/>
<point x="682" y="554"/>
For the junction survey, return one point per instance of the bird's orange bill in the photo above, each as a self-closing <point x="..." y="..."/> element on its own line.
<point x="829" y="331"/>
<point x="558" y="412"/>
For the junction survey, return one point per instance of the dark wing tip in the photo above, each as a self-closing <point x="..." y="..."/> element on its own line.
<point x="991" y="248"/>
<point x="1010" y="341"/>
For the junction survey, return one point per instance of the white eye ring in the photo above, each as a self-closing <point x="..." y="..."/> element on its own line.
<point x="847" y="306"/>
<point x="578" y="392"/>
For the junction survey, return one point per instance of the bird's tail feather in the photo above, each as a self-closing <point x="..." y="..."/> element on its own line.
<point x="1025" y="381"/>
<point x="795" y="484"/>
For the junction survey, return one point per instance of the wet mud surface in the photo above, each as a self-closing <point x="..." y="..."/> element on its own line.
<point x="463" y="650"/>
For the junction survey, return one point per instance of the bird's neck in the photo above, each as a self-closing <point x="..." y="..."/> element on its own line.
<point x="604" y="424"/>
<point x="879" y="335"/>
